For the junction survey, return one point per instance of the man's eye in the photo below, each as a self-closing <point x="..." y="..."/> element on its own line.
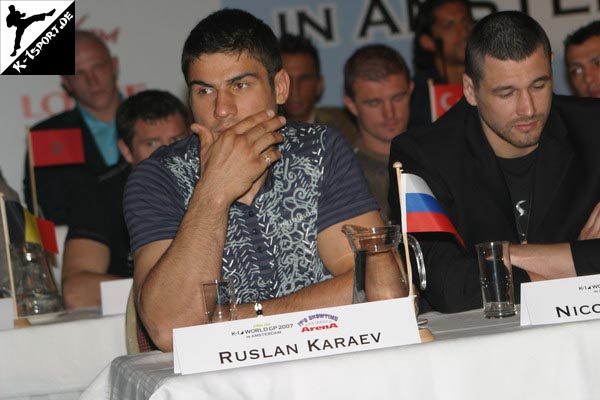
<point x="448" y="25"/>
<point x="575" y="71"/>
<point x="204" y="91"/>
<point x="241" y="85"/>
<point x="505" y="95"/>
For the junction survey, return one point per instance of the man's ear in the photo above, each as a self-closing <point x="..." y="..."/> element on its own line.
<point x="66" y="84"/>
<point x="349" y="103"/>
<point x="469" y="90"/>
<point x="281" y="84"/>
<point x="125" y="151"/>
<point x="427" y="43"/>
<point x="115" y="65"/>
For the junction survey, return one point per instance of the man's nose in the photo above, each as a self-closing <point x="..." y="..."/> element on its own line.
<point x="525" y="105"/>
<point x="224" y="105"/>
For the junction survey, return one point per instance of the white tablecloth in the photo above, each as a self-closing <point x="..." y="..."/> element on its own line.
<point x="471" y="358"/>
<point x="59" y="360"/>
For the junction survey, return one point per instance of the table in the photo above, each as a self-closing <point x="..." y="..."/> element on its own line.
<point x="58" y="360"/>
<point x="471" y="358"/>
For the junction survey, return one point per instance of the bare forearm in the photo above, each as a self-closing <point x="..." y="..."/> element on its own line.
<point x="330" y="293"/>
<point x="170" y="296"/>
<point x="82" y="289"/>
<point x="544" y="261"/>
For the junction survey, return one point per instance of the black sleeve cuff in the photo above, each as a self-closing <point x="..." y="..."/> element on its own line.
<point x="586" y="256"/>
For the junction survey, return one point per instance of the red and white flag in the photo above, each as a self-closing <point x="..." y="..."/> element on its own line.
<point x="443" y="97"/>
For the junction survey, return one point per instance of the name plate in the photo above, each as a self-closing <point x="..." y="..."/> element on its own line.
<point x="114" y="295"/>
<point x="294" y="336"/>
<point x="7" y="313"/>
<point x="560" y="300"/>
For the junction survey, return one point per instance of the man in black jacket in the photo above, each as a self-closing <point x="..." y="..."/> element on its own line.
<point x="94" y="88"/>
<point x="511" y="162"/>
<point x="97" y="245"/>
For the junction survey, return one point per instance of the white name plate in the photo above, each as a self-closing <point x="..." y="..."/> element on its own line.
<point x="294" y="336"/>
<point x="114" y="295"/>
<point x="560" y="300"/>
<point x="7" y="313"/>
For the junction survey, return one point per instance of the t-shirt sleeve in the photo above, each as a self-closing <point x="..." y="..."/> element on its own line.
<point x="345" y="193"/>
<point x="87" y="216"/>
<point x="152" y="204"/>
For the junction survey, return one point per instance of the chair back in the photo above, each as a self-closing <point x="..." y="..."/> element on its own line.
<point x="138" y="340"/>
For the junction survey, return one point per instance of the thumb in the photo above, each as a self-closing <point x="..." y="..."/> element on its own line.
<point x="206" y="136"/>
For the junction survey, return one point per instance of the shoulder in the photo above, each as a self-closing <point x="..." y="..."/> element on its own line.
<point x="173" y="168"/>
<point x="300" y="136"/>
<point x="186" y="149"/>
<point x="68" y="119"/>
<point x="326" y="114"/>
<point x="572" y="108"/>
<point x="580" y="118"/>
<point x="446" y="133"/>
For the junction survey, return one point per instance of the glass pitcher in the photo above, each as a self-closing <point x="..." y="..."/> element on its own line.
<point x="379" y="273"/>
<point x="35" y="288"/>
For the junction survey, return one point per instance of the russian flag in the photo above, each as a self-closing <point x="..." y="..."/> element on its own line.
<point x="421" y="211"/>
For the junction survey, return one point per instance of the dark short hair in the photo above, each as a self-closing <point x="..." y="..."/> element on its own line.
<point x="373" y="62"/>
<point x="147" y="105"/>
<point x="297" y="44"/>
<point x="582" y="34"/>
<point x="233" y="31"/>
<point x="423" y="60"/>
<point x="505" y="35"/>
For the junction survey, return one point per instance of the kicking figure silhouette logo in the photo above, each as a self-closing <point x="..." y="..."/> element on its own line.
<point x="17" y="19"/>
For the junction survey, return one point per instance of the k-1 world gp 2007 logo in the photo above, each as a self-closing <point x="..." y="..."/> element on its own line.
<point x="37" y="37"/>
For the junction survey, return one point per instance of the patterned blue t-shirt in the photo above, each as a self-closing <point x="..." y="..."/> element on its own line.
<point x="271" y="244"/>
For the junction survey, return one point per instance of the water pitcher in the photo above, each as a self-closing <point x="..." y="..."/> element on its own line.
<point x="35" y="288"/>
<point x="379" y="273"/>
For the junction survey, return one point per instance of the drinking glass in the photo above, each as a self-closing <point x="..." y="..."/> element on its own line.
<point x="219" y="301"/>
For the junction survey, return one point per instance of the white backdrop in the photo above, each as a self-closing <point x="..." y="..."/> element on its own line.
<point x="147" y="37"/>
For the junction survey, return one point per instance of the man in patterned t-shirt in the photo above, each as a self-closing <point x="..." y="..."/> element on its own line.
<point x="249" y="197"/>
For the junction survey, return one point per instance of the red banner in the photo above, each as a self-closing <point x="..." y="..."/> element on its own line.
<point x="57" y="147"/>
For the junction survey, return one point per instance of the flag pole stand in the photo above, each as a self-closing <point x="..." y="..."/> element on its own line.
<point x="17" y="322"/>
<point x="424" y="333"/>
<point x="34" y="197"/>
<point x="52" y="258"/>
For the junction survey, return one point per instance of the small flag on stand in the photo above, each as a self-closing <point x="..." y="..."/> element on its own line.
<point x="25" y="227"/>
<point x="56" y="147"/>
<point x="48" y="147"/>
<point x="442" y="98"/>
<point x="423" y="213"/>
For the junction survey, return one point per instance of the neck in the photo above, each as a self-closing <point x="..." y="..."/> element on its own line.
<point x="106" y="114"/>
<point x="308" y="118"/>
<point x="374" y="145"/>
<point x="451" y="72"/>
